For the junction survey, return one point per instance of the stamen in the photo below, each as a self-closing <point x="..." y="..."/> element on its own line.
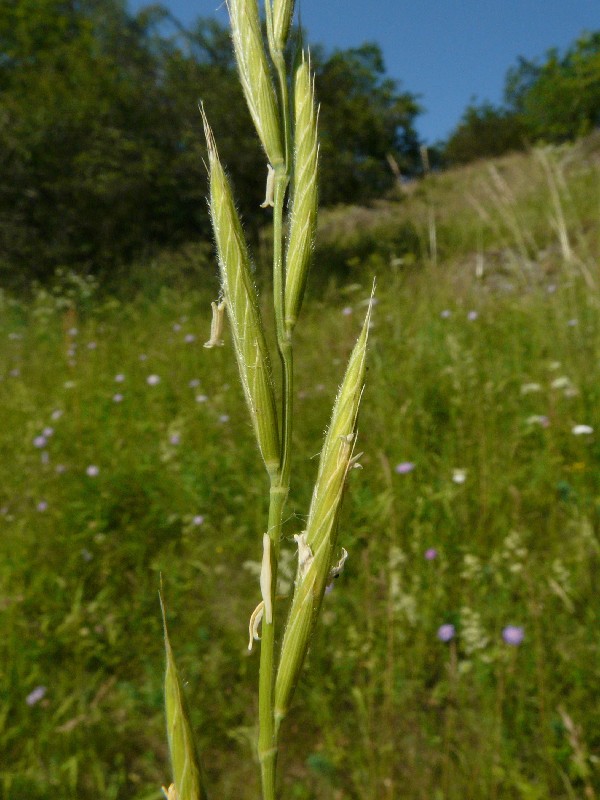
<point x="269" y="200"/>
<point x="216" y="325"/>
<point x="255" y="620"/>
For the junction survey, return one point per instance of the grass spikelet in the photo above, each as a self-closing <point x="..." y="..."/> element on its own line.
<point x="316" y="544"/>
<point x="283" y="11"/>
<point x="187" y="772"/>
<point x="303" y="216"/>
<point x="243" y="311"/>
<point x="255" y="76"/>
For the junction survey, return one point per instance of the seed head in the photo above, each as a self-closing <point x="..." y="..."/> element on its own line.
<point x="187" y="772"/>
<point x="283" y="12"/>
<point x="317" y="543"/>
<point x="243" y="311"/>
<point x="303" y="216"/>
<point x="255" y="76"/>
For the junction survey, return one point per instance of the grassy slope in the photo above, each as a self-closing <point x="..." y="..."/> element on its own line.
<point x="385" y="710"/>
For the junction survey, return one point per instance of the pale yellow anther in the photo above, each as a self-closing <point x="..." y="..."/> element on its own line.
<point x="305" y="554"/>
<point x="216" y="325"/>
<point x="171" y="792"/>
<point x="269" y="200"/>
<point x="255" y="620"/>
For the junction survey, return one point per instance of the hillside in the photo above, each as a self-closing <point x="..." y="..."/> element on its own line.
<point x="458" y="655"/>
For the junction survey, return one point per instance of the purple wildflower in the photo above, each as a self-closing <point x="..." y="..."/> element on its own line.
<point x="446" y="632"/>
<point x="404" y="467"/>
<point x="39" y="441"/>
<point x="92" y="471"/>
<point x="431" y="553"/>
<point x="36" y="695"/>
<point x="513" y="635"/>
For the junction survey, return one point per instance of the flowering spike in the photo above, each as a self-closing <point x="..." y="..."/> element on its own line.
<point x="303" y="214"/>
<point x="187" y="772"/>
<point x="242" y="308"/>
<point x="316" y="544"/>
<point x="255" y="76"/>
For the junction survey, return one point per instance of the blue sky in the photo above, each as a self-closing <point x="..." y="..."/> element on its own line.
<point x="446" y="51"/>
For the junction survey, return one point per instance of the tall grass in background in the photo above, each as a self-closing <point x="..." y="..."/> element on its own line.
<point x="458" y="654"/>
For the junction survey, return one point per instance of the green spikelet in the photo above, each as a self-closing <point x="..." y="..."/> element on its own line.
<point x="303" y="215"/>
<point x="187" y="772"/>
<point x="255" y="77"/>
<point x="283" y="12"/>
<point x="242" y="310"/>
<point x="316" y="544"/>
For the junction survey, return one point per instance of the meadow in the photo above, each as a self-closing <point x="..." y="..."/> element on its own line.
<point x="459" y="654"/>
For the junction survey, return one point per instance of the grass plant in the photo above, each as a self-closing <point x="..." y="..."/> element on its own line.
<point x="127" y="452"/>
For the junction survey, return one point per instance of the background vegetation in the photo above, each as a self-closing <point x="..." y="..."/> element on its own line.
<point x="126" y="450"/>
<point x="127" y="454"/>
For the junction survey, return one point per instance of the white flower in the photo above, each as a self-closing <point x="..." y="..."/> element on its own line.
<point x="153" y="380"/>
<point x="459" y="475"/>
<point x="582" y="430"/>
<point x="529" y="388"/>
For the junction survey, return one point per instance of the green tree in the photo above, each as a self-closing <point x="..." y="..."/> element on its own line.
<point x="363" y="119"/>
<point x="484" y="131"/>
<point x="560" y="98"/>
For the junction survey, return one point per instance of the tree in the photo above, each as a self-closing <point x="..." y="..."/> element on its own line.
<point x="485" y="131"/>
<point x="363" y="119"/>
<point x="560" y="98"/>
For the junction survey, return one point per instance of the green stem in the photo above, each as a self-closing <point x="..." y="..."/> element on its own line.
<point x="280" y="482"/>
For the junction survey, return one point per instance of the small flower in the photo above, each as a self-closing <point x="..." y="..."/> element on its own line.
<point x="60" y="469"/>
<point x="48" y="431"/>
<point x="176" y="327"/>
<point x="143" y="357"/>
<point x="446" y="313"/>
<point x="582" y="430"/>
<point x="431" y="553"/>
<point x="119" y="378"/>
<point x="347" y="311"/>
<point x="513" y="635"/>
<point x="201" y="398"/>
<point x="40" y="441"/>
<point x="538" y="419"/>
<point x="404" y="467"/>
<point x="224" y="418"/>
<point x="446" y="632"/>
<point x="153" y="380"/>
<point x="72" y="331"/>
<point x="91" y="345"/>
<point x="117" y="398"/>
<point x="194" y="383"/>
<point x="551" y="288"/>
<point x="56" y="414"/>
<point x="198" y="520"/>
<point x="36" y="695"/>
<point x="472" y="316"/>
<point x="530" y="388"/>
<point x="175" y="439"/>
<point x="92" y="471"/>
<point x="189" y="338"/>
<point x="459" y="475"/>
<point x="42" y="506"/>
<point x="572" y="323"/>
<point x="562" y="382"/>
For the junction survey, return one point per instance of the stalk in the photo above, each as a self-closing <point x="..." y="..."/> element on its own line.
<point x="280" y="485"/>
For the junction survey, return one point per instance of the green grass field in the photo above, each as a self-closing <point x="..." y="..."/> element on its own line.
<point x="127" y="454"/>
